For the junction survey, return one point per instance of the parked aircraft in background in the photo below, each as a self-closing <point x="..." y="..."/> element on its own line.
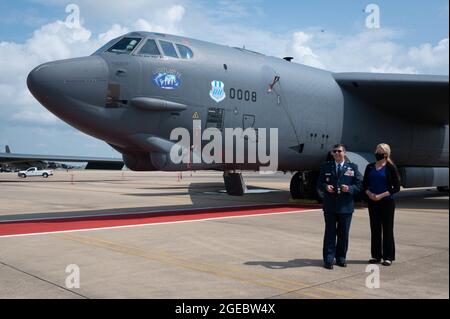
<point x="15" y="162"/>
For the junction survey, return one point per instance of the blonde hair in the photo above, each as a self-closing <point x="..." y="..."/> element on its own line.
<point x="387" y="150"/>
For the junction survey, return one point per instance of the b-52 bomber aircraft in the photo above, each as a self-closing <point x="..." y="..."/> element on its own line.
<point x="143" y="92"/>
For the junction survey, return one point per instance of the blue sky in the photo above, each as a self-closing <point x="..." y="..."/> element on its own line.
<point x="413" y="38"/>
<point x="421" y="20"/>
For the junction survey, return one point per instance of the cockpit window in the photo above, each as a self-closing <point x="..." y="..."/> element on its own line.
<point x="184" y="51"/>
<point x="125" y="45"/>
<point x="104" y="47"/>
<point x="168" y="48"/>
<point x="149" y="48"/>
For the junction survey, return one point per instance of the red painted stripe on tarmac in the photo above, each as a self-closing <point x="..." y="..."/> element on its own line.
<point x="84" y="223"/>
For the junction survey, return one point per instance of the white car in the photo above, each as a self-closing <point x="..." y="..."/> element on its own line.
<point x="33" y="171"/>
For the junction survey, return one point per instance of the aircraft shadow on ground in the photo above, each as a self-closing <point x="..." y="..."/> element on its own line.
<point x="200" y="193"/>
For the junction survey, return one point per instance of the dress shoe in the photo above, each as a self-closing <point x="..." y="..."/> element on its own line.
<point x="374" y="261"/>
<point x="342" y="264"/>
<point x="386" y="263"/>
<point x="328" y="266"/>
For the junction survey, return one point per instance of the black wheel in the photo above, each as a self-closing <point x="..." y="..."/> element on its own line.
<point x="303" y="185"/>
<point x="45" y="175"/>
<point x="297" y="186"/>
<point x="234" y="184"/>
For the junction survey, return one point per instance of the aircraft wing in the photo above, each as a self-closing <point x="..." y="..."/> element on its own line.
<point x="422" y="98"/>
<point x="93" y="162"/>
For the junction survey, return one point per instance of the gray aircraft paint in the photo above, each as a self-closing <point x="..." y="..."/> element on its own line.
<point x="309" y="106"/>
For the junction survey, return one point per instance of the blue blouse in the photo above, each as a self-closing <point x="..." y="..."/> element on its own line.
<point x="378" y="181"/>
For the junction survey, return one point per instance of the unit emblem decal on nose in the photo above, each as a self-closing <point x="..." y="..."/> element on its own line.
<point x="217" y="92"/>
<point x="167" y="79"/>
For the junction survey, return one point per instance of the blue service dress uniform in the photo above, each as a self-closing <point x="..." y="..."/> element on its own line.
<point x="338" y="208"/>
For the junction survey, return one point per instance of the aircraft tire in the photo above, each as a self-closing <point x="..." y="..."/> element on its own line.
<point x="297" y="186"/>
<point x="304" y="189"/>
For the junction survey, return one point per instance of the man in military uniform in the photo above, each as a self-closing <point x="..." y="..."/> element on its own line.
<point x="339" y="181"/>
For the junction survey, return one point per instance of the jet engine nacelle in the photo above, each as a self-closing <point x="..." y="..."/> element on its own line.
<point x="138" y="162"/>
<point x="424" y="176"/>
<point x="155" y="162"/>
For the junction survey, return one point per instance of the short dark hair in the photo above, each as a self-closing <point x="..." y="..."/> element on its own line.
<point x="340" y="145"/>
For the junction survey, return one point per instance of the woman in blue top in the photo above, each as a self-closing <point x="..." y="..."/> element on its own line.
<point x="381" y="182"/>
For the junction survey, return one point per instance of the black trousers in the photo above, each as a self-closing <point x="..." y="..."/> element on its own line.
<point x="382" y="227"/>
<point x="335" y="240"/>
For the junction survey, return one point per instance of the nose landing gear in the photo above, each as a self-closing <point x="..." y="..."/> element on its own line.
<point x="234" y="183"/>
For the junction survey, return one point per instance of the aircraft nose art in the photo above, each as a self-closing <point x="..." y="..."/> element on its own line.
<point x="55" y="84"/>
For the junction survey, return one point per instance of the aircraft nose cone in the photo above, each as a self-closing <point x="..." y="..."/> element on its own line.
<point x="81" y="79"/>
<point x="36" y="80"/>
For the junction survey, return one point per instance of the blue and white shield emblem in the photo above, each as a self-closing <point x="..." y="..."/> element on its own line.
<point x="217" y="92"/>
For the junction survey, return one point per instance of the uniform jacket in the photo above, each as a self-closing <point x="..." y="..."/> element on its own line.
<point x="342" y="203"/>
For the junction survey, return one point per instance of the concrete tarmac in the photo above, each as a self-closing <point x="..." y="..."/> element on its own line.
<point x="261" y="256"/>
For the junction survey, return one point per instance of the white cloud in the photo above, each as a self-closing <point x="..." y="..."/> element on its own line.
<point x="143" y="25"/>
<point x="429" y="56"/>
<point x="52" y="41"/>
<point x="175" y="13"/>
<point x="302" y="51"/>
<point x="56" y="41"/>
<point x="164" y="21"/>
<point x="115" y="31"/>
<point x="368" y="51"/>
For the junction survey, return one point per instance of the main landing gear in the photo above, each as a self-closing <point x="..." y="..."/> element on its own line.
<point x="304" y="185"/>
